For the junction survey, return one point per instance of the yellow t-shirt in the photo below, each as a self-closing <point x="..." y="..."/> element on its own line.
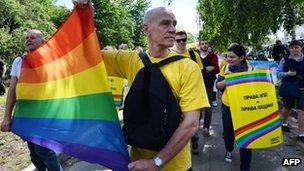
<point x="224" y="95"/>
<point x="223" y="63"/>
<point x="184" y="78"/>
<point x="197" y="58"/>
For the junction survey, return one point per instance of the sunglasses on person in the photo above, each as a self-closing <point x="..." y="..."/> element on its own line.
<point x="181" y="40"/>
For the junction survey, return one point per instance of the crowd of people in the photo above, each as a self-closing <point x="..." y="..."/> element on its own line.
<point x="192" y="79"/>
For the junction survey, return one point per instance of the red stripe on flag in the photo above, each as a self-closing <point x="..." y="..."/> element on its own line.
<point x="72" y="32"/>
<point x="255" y="123"/>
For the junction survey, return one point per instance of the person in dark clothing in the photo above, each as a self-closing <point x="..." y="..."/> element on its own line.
<point x="291" y="70"/>
<point x="279" y="51"/>
<point x="211" y="68"/>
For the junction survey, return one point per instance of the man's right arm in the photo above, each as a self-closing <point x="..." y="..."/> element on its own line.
<point x="10" y="103"/>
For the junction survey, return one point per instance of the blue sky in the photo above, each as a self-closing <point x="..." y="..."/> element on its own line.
<point x="184" y="10"/>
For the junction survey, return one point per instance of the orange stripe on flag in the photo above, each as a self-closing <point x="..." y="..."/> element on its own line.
<point x="117" y="96"/>
<point x="83" y="57"/>
<point x="71" y="33"/>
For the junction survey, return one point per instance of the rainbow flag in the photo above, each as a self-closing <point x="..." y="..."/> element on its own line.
<point x="63" y="99"/>
<point x="254" y="109"/>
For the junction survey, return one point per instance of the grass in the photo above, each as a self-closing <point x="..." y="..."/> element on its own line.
<point x="2" y="99"/>
<point x="14" y="154"/>
<point x="2" y="104"/>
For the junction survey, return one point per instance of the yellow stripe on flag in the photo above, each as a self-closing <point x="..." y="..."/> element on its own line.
<point x="87" y="82"/>
<point x="82" y="57"/>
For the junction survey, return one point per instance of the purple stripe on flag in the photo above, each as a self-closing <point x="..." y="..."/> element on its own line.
<point x="110" y="159"/>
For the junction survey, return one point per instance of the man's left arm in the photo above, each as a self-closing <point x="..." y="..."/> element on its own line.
<point x="187" y="128"/>
<point x="214" y="65"/>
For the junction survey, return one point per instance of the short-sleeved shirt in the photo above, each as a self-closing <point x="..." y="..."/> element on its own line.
<point x="224" y="95"/>
<point x="16" y="67"/>
<point x="197" y="58"/>
<point x="184" y="78"/>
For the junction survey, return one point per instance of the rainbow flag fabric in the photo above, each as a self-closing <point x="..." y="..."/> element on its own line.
<point x="254" y="109"/>
<point x="63" y="99"/>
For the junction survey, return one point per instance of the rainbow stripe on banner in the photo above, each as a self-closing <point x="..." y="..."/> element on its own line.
<point x="116" y="86"/>
<point x="256" y="129"/>
<point x="117" y="100"/>
<point x="64" y="100"/>
<point x="249" y="78"/>
<point x="254" y="109"/>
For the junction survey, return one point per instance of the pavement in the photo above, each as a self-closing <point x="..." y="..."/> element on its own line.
<point x="212" y="151"/>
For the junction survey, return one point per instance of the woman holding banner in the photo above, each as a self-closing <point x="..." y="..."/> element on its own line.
<point x="236" y="59"/>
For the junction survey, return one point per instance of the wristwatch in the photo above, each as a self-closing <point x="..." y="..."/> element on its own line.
<point x="158" y="161"/>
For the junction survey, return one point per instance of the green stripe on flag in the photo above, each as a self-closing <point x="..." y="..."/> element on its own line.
<point x="94" y="106"/>
<point x="247" y="76"/>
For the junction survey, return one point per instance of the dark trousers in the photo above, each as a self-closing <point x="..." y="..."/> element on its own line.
<point x="208" y="111"/>
<point x="245" y="154"/>
<point x="195" y="137"/>
<point x="43" y="158"/>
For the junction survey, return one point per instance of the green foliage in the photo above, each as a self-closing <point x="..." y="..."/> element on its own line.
<point x="117" y="22"/>
<point x="247" y="21"/>
<point x="120" y="21"/>
<point x="190" y="37"/>
<point x="18" y="16"/>
<point x="137" y="10"/>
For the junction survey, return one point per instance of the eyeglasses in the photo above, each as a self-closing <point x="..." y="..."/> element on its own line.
<point x="181" y="40"/>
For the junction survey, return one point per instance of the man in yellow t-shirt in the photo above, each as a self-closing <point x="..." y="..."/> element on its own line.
<point x="180" y="48"/>
<point x="183" y="76"/>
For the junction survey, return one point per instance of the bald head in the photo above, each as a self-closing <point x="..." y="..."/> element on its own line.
<point x="154" y="13"/>
<point x="33" y="39"/>
<point x="36" y="32"/>
<point x="159" y="27"/>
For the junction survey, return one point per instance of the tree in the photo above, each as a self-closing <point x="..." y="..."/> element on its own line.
<point x="113" y="23"/>
<point x="190" y="37"/>
<point x="18" y="16"/>
<point x="137" y="10"/>
<point x="247" y="21"/>
<point x="120" y="21"/>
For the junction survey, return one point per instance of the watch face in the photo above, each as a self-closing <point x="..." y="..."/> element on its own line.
<point x="158" y="161"/>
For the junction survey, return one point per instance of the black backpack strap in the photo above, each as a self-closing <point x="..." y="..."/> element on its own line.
<point x="145" y="59"/>
<point x="192" y="55"/>
<point x="169" y="60"/>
